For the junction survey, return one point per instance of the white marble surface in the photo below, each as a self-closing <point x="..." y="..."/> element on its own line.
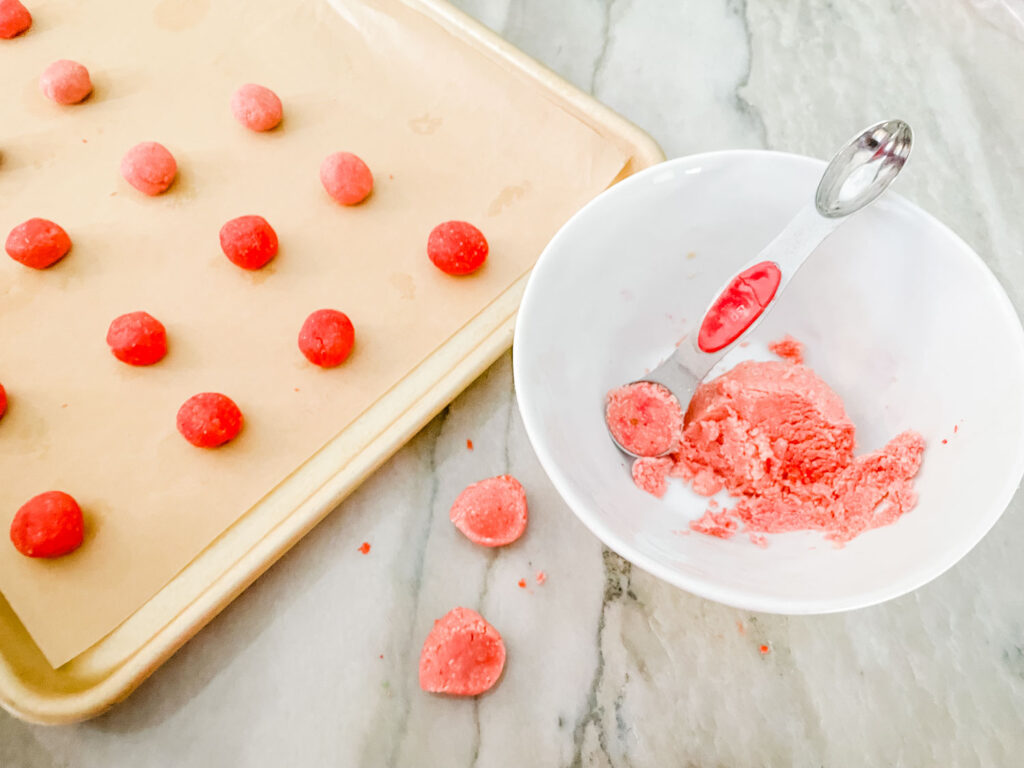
<point x="316" y="664"/>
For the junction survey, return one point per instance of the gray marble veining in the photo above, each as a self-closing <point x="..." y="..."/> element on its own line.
<point x="316" y="663"/>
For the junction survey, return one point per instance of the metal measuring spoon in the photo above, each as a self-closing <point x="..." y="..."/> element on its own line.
<point x="856" y="176"/>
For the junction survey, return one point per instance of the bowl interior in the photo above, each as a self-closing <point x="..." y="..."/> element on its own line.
<point x="898" y="315"/>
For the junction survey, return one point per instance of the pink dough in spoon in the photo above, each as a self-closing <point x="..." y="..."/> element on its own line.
<point x="644" y="417"/>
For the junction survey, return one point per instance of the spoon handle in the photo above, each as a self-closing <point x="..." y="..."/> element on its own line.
<point x="747" y="296"/>
<point x="742" y="303"/>
<point x="861" y="171"/>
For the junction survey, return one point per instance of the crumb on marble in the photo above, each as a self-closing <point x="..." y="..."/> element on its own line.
<point x="365" y="547"/>
<point x="469" y="445"/>
<point x="541" y="577"/>
<point x="522" y="583"/>
<point x="765" y="650"/>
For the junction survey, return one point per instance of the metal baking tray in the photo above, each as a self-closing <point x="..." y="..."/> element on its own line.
<point x="109" y="671"/>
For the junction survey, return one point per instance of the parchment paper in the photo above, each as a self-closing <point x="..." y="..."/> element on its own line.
<point x="447" y="133"/>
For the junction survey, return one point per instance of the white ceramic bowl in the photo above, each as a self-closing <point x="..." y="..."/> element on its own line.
<point x="898" y="314"/>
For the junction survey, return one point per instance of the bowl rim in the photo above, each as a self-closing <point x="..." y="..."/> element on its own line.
<point x="739" y="598"/>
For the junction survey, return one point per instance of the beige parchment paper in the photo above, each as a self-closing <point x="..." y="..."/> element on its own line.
<point x="448" y="134"/>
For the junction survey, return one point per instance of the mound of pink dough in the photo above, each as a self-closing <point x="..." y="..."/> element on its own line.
<point x="777" y="438"/>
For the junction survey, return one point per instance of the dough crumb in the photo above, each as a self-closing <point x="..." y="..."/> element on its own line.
<point x="651" y="474"/>
<point x="788" y="349"/>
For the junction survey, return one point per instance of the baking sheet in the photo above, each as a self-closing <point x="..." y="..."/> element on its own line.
<point x="448" y="133"/>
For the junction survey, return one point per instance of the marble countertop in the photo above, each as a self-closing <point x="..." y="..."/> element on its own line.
<point x="316" y="663"/>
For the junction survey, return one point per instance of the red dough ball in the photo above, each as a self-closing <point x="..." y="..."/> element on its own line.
<point x="327" y="337"/>
<point x="346" y="178"/>
<point x="256" y="107"/>
<point x="48" y="525"/>
<point x="209" y="419"/>
<point x="462" y="656"/>
<point x="66" y="82"/>
<point x="491" y="512"/>
<point x="248" y="241"/>
<point x="137" y="338"/>
<point x="3" y="401"/>
<point x="149" y="167"/>
<point x="38" y="243"/>
<point x="14" y="19"/>
<point x="457" y="247"/>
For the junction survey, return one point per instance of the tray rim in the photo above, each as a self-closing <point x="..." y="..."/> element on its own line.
<point x="54" y="707"/>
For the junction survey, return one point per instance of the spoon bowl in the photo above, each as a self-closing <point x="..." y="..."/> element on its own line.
<point x="864" y="168"/>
